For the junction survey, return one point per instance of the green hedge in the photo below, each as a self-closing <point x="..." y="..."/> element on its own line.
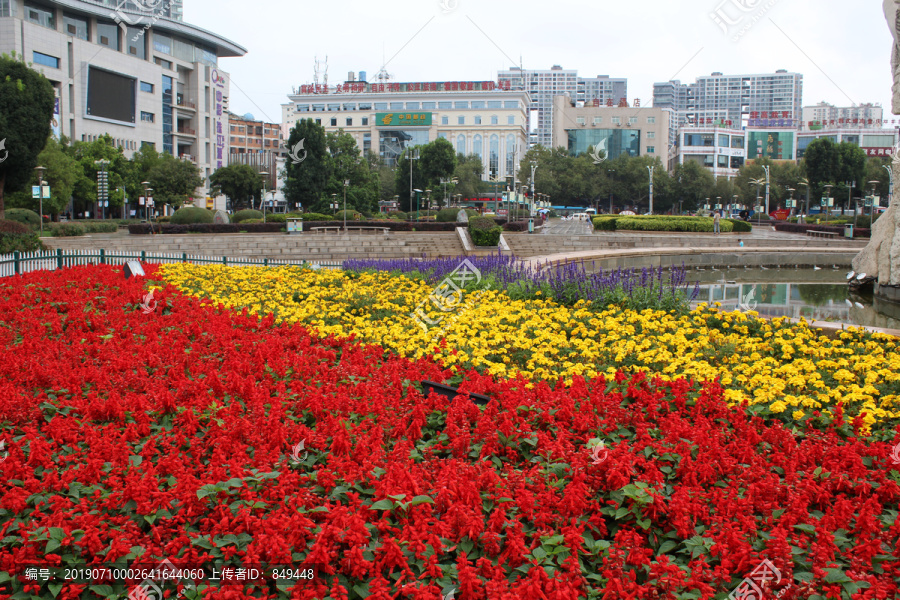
<point x="24" y="216"/>
<point x="739" y="226"/>
<point x="484" y="231"/>
<point x="99" y="227"/>
<point x="665" y="223"/>
<point x="352" y="215"/>
<point x="67" y="230"/>
<point x="245" y="215"/>
<point x="276" y="218"/>
<point x="20" y="242"/>
<point x="192" y="214"/>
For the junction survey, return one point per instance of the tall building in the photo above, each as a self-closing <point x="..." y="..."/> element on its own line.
<point x="255" y="143"/>
<point x="631" y="131"/>
<point x="824" y="115"/>
<point x="543" y="85"/>
<point x="477" y="117"/>
<point x="141" y="80"/>
<point x="755" y="100"/>
<point x="172" y="9"/>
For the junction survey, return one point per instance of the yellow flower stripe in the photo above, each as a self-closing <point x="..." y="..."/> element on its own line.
<point x="788" y="368"/>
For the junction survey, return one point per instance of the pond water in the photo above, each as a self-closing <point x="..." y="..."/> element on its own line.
<point x="821" y="295"/>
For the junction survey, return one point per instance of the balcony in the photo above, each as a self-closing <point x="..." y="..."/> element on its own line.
<point x="180" y="102"/>
<point x="189" y="157"/>
<point x="186" y="131"/>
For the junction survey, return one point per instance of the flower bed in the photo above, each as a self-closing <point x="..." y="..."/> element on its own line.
<point x="784" y="371"/>
<point x="176" y="435"/>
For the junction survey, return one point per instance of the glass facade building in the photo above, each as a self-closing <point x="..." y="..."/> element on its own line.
<point x="616" y="142"/>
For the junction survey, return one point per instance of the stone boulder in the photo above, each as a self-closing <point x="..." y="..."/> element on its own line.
<point x="892" y="16"/>
<point x="881" y="257"/>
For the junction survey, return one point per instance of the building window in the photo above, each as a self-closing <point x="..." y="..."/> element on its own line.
<point x="461" y="104"/>
<point x="445" y="120"/>
<point x="318" y="121"/>
<point x="495" y="120"/>
<point x="318" y="107"/>
<point x="617" y="120"/>
<point x="478" y="147"/>
<point x="632" y="120"/>
<point x="597" y="120"/>
<point x="40" y="15"/>
<point x="495" y="104"/>
<point x="108" y="35"/>
<point x="510" y="153"/>
<point x="651" y="120"/>
<point x="134" y="41"/>
<point x="162" y="43"/>
<point x="723" y="141"/>
<point x="412" y="106"/>
<point x="510" y="120"/>
<point x="365" y="120"/>
<point x="147" y="117"/>
<point x="429" y="105"/>
<point x="460" y="144"/>
<point x="723" y="160"/>
<point x="509" y="104"/>
<point x="76" y="26"/>
<point x="165" y="64"/>
<point x="349" y="107"/>
<point x="478" y="104"/>
<point x="445" y="105"/>
<point x="365" y="106"/>
<point x="651" y="135"/>
<point x="349" y="122"/>
<point x="146" y="87"/>
<point x="334" y="107"/>
<point x="460" y="120"/>
<point x="651" y="149"/>
<point x="334" y="122"/>
<point x="396" y="106"/>
<point x="478" y="119"/>
<point x="381" y="106"/>
<point x="45" y="59"/>
<point x="303" y="108"/>
<point x="579" y="120"/>
<point x="495" y="155"/>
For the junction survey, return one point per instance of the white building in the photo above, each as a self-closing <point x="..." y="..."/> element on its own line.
<point x="543" y="85"/>
<point x="752" y="100"/>
<point x="721" y="150"/>
<point x="142" y="79"/>
<point x="875" y="142"/>
<point x="477" y="117"/>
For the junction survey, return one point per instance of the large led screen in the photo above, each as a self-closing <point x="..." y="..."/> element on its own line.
<point x="111" y="96"/>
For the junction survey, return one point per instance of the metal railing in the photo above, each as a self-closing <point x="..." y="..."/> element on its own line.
<point x="18" y="263"/>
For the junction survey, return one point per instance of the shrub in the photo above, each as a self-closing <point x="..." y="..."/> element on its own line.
<point x="447" y="215"/>
<point x="164" y="220"/>
<point x="605" y="223"/>
<point x="739" y="226"/>
<point x="858" y="232"/>
<point x="67" y="230"/>
<point x="192" y="214"/>
<point x="315" y="217"/>
<point x="24" y="216"/>
<point x="8" y="226"/>
<point x="400" y="215"/>
<point x="276" y="218"/>
<point x="352" y="215"/>
<point x="99" y="227"/>
<point x="246" y="221"/>
<point x="244" y="215"/>
<point x="484" y="231"/>
<point x="19" y="242"/>
<point x="516" y="226"/>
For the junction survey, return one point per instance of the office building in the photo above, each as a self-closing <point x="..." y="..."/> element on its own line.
<point x="477" y="117"/>
<point x="543" y="85"/>
<point x="630" y="131"/>
<point x="756" y="100"/>
<point x="828" y="116"/>
<point x="143" y="80"/>
<point x="720" y="150"/>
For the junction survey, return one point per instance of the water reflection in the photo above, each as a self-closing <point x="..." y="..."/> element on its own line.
<point x="814" y="295"/>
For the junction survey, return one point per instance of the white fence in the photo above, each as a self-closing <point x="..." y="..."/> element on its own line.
<point x="26" y="262"/>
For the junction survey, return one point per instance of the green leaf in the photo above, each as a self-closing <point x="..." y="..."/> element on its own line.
<point x="55" y="588"/>
<point x="666" y="546"/>
<point x="836" y="576"/>
<point x="383" y="505"/>
<point x="135" y="460"/>
<point x="805" y="527"/>
<point x="421" y="500"/>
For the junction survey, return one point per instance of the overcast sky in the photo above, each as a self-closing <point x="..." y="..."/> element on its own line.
<point x="843" y="49"/>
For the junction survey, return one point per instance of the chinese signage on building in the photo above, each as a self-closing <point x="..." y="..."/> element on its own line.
<point x="432" y="86"/>
<point x="405" y="119"/>
<point x="220" y="117"/>
<point x="772" y="118"/>
<point x="879" y="151"/>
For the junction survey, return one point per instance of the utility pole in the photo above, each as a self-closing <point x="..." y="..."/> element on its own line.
<point x="413" y="155"/>
<point x="651" y="168"/>
<point x="766" y="168"/>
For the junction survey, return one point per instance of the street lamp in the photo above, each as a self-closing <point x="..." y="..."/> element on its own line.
<point x="417" y="191"/>
<point x="791" y="200"/>
<point x="872" y="211"/>
<point x="40" y="171"/>
<point x="531" y="209"/>
<point x="334" y="202"/>
<point x="768" y="187"/>
<point x="805" y="182"/>
<point x="346" y="185"/>
<point x="445" y="183"/>
<point x="827" y="198"/>
<point x="651" y="169"/>
<point x="413" y="154"/>
<point x="264" y="175"/>
<point x="613" y="171"/>
<point x="427" y="203"/>
<point x="102" y="185"/>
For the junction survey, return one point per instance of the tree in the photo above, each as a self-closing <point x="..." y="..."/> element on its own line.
<point x="307" y="168"/>
<point x="174" y="181"/>
<point x="823" y="165"/>
<point x="61" y="172"/>
<point x="241" y="183"/>
<point x="26" y="109"/>
<point x="692" y="184"/>
<point x="438" y="162"/>
<point x="345" y="163"/>
<point x="120" y="170"/>
<point x="469" y="172"/>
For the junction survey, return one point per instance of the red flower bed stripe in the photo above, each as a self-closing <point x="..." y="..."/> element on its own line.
<point x="176" y="435"/>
